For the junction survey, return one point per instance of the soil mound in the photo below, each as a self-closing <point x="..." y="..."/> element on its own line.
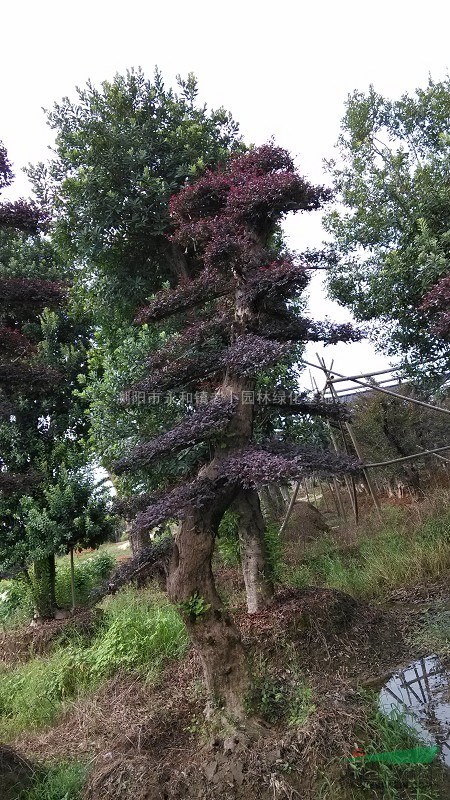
<point x="306" y="524"/>
<point x="18" y="646"/>
<point x="276" y="764"/>
<point x="149" y="742"/>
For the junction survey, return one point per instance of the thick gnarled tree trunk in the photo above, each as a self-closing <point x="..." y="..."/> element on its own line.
<point x="138" y="541"/>
<point x="251" y="528"/>
<point x="191" y="586"/>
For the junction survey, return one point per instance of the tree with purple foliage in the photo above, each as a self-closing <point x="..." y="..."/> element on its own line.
<point x="22" y="299"/>
<point x="234" y="312"/>
<point x="48" y="501"/>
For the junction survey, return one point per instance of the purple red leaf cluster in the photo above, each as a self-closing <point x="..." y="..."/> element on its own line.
<point x="199" y="493"/>
<point x="256" y="465"/>
<point x="30" y="294"/>
<point x="224" y="223"/>
<point x="204" y="423"/>
<point x="437" y="303"/>
<point x="186" y="371"/>
<point x="14" y="375"/>
<point x="222" y="216"/>
<point x="249" y="354"/>
<point x="20" y="215"/>
<point x="218" y="330"/>
<point x="282" y="279"/>
<point x="11" y="483"/>
<point x="12" y="342"/>
<point x="249" y="467"/>
<point x="186" y="295"/>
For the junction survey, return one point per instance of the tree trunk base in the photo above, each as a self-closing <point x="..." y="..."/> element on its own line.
<point x="191" y="587"/>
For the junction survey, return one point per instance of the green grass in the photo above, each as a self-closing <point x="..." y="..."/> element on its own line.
<point x="62" y="781"/>
<point x="369" y="780"/>
<point x="89" y="573"/>
<point x="395" y="555"/>
<point x="432" y="634"/>
<point x="139" y="632"/>
<point x="276" y="697"/>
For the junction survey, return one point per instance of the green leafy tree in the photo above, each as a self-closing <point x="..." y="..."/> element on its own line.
<point x="391" y="230"/>
<point x="71" y="513"/>
<point x="121" y="151"/>
<point x="43" y="424"/>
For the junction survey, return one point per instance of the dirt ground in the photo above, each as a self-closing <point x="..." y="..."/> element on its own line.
<point x="149" y="742"/>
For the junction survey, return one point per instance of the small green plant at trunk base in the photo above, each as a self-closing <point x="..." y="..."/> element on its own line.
<point x="195" y="607"/>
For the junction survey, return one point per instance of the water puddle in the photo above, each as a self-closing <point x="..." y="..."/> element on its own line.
<point x="422" y="692"/>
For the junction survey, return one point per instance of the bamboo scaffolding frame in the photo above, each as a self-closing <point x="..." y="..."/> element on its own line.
<point x="407" y="458"/>
<point x="377" y="388"/>
<point x="349" y="480"/>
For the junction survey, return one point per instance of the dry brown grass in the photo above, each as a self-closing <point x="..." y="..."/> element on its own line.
<point x="148" y="742"/>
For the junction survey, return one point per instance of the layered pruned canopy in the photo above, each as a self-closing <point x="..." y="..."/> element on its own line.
<point x="235" y="319"/>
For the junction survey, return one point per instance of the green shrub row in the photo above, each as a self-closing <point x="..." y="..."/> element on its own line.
<point x="16" y="602"/>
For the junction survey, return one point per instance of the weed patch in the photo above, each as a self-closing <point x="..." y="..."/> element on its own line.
<point x="280" y="696"/>
<point x="138" y="633"/>
<point x="394" y="556"/>
<point x="16" y="600"/>
<point x="367" y="780"/>
<point x="60" y="782"/>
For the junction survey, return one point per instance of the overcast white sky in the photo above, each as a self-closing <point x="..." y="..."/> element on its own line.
<point x="283" y="69"/>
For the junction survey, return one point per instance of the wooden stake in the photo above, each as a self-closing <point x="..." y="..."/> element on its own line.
<point x="72" y="578"/>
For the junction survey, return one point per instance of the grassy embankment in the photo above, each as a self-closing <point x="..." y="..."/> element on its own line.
<point x="139" y="631"/>
<point x="401" y="549"/>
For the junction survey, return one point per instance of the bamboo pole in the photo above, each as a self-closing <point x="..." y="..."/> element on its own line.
<point x="349" y="482"/>
<point x="290" y="507"/>
<point x="337" y="494"/>
<point x="364" y="471"/>
<point x="367" y="375"/>
<point x="407" y="458"/>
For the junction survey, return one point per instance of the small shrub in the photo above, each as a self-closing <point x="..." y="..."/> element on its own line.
<point x="16" y="603"/>
<point x="195" y="607"/>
